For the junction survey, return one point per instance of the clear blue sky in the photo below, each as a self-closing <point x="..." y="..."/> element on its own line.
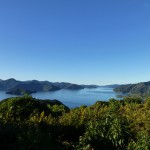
<point x="78" y="41"/>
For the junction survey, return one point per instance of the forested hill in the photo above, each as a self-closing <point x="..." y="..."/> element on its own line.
<point x="142" y="88"/>
<point x="16" y="87"/>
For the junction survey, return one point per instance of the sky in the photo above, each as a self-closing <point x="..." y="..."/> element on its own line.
<point x="79" y="41"/>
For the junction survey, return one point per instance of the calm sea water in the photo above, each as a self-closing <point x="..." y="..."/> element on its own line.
<point x="73" y="98"/>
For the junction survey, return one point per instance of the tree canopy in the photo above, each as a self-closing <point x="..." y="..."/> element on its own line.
<point x="34" y="124"/>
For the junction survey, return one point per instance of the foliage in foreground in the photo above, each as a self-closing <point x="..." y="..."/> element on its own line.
<point x="30" y="124"/>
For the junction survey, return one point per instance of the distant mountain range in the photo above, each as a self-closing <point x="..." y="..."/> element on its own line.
<point x="111" y="86"/>
<point x="16" y="87"/>
<point x="12" y="86"/>
<point x="142" y="88"/>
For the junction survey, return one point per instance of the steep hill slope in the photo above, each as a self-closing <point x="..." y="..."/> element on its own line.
<point x="139" y="88"/>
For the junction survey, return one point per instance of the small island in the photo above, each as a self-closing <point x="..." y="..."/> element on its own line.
<point x="20" y="92"/>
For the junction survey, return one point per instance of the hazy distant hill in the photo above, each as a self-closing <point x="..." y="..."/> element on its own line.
<point x="13" y="86"/>
<point x="90" y="86"/>
<point x="8" y="84"/>
<point x="139" y="88"/>
<point x="112" y="85"/>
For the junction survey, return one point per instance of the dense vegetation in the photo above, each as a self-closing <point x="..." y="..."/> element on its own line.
<point x="27" y="123"/>
<point x="142" y="88"/>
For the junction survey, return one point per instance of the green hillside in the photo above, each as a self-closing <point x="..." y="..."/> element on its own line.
<point x="142" y="88"/>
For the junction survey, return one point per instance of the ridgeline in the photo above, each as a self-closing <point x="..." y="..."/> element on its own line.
<point x="142" y="88"/>
<point x="15" y="87"/>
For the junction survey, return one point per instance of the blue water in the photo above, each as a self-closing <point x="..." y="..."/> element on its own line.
<point x="73" y="98"/>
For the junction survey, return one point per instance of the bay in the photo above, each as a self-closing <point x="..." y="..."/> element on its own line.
<point x="73" y="98"/>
